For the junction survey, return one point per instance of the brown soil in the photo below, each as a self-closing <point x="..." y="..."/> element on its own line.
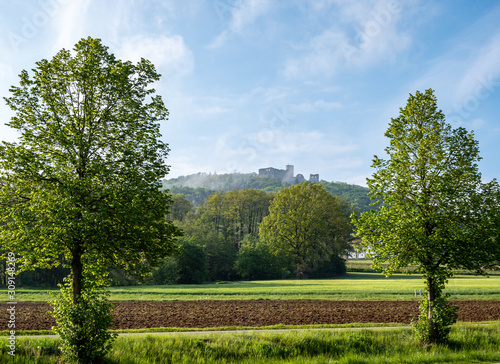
<point x="190" y="314"/>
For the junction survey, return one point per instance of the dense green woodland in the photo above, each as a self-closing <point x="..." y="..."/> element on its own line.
<point x="221" y="240"/>
<point x="197" y="187"/>
<point x="220" y="217"/>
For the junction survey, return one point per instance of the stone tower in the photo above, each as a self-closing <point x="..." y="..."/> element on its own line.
<point x="314" y="178"/>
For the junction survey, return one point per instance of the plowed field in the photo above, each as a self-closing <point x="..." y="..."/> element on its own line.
<point x="190" y="314"/>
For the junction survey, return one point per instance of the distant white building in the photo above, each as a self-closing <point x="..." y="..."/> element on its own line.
<point x="356" y="255"/>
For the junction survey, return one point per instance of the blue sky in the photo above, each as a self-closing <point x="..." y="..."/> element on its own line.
<point x="259" y="83"/>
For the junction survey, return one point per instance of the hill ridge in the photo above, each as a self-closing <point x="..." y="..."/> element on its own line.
<point x="197" y="187"/>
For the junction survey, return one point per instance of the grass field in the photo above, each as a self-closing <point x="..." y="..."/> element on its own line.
<point x="353" y="286"/>
<point x="469" y="344"/>
<point x="364" y="265"/>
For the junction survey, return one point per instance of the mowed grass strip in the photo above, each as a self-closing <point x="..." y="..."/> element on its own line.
<point x="353" y="286"/>
<point x="469" y="344"/>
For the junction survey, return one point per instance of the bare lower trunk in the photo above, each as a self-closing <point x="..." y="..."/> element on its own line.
<point x="300" y="272"/>
<point x="77" y="271"/>
<point x="431" y="295"/>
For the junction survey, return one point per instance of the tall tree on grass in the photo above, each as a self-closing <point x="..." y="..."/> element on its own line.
<point x="436" y="213"/>
<point x="83" y="179"/>
<point x="308" y="224"/>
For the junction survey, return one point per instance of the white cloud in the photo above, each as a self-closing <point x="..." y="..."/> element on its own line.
<point x="7" y="78"/>
<point x="315" y="106"/>
<point x="362" y="34"/>
<point x="219" y="41"/>
<point x="70" y="23"/>
<point x="324" y="54"/>
<point x="465" y="75"/>
<point x="314" y="142"/>
<point x="247" y="12"/>
<point x="243" y="14"/>
<point x="483" y="71"/>
<point x="170" y="54"/>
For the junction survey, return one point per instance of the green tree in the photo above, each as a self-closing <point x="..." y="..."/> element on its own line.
<point x="83" y="179"/>
<point x="435" y="214"/>
<point x="166" y="273"/>
<point x="307" y="223"/>
<point x="181" y="206"/>
<point x="255" y="261"/>
<point x="221" y="224"/>
<point x="191" y="263"/>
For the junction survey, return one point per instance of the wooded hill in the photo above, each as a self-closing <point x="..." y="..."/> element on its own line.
<point x="198" y="187"/>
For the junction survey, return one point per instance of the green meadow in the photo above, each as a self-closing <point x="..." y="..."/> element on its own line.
<point x="353" y="286"/>
<point x="470" y="343"/>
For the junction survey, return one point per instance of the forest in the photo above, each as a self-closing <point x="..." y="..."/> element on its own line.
<point x="221" y="240"/>
<point x="198" y="187"/>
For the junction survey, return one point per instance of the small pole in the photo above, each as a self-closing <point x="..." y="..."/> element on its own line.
<point x="415" y="293"/>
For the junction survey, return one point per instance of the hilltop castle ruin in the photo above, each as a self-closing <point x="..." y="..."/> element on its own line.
<point x="286" y="175"/>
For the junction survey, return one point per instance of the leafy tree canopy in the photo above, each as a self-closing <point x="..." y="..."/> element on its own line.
<point x="83" y="179"/>
<point x="308" y="223"/>
<point x="436" y="213"/>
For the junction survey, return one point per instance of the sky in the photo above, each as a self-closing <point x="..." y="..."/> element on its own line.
<point x="251" y="84"/>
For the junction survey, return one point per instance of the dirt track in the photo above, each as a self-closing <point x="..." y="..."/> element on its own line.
<point x="146" y="314"/>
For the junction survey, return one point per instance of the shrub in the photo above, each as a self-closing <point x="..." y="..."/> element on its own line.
<point x="255" y="261"/>
<point x="444" y="315"/>
<point x="333" y="267"/>
<point x="83" y="327"/>
<point x="191" y="264"/>
<point x="166" y="273"/>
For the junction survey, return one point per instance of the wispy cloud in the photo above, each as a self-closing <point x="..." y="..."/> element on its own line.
<point x="243" y="14"/>
<point x="466" y="74"/>
<point x="169" y="54"/>
<point x="314" y="142"/>
<point x="70" y="24"/>
<point x="318" y="105"/>
<point x="363" y="33"/>
<point x="483" y="68"/>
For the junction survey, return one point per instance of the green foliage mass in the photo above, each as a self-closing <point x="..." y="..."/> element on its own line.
<point x="81" y="185"/>
<point x="227" y="226"/>
<point x="90" y="317"/>
<point x="308" y="224"/>
<point x="255" y="261"/>
<point x="191" y="263"/>
<point x="437" y="215"/>
<point x="83" y="179"/>
<point x="198" y="187"/>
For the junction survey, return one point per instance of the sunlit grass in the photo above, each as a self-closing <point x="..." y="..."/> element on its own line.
<point x="353" y="286"/>
<point x="469" y="343"/>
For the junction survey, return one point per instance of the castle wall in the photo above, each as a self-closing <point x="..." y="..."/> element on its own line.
<point x="286" y="175"/>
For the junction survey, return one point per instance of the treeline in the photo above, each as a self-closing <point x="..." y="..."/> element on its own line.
<point x="356" y="195"/>
<point x="198" y="187"/>
<point x="226" y="182"/>
<point x="223" y="241"/>
<point x="36" y="278"/>
<point x="223" y="237"/>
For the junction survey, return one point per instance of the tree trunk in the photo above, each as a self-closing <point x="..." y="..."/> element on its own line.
<point x="431" y="295"/>
<point x="77" y="271"/>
